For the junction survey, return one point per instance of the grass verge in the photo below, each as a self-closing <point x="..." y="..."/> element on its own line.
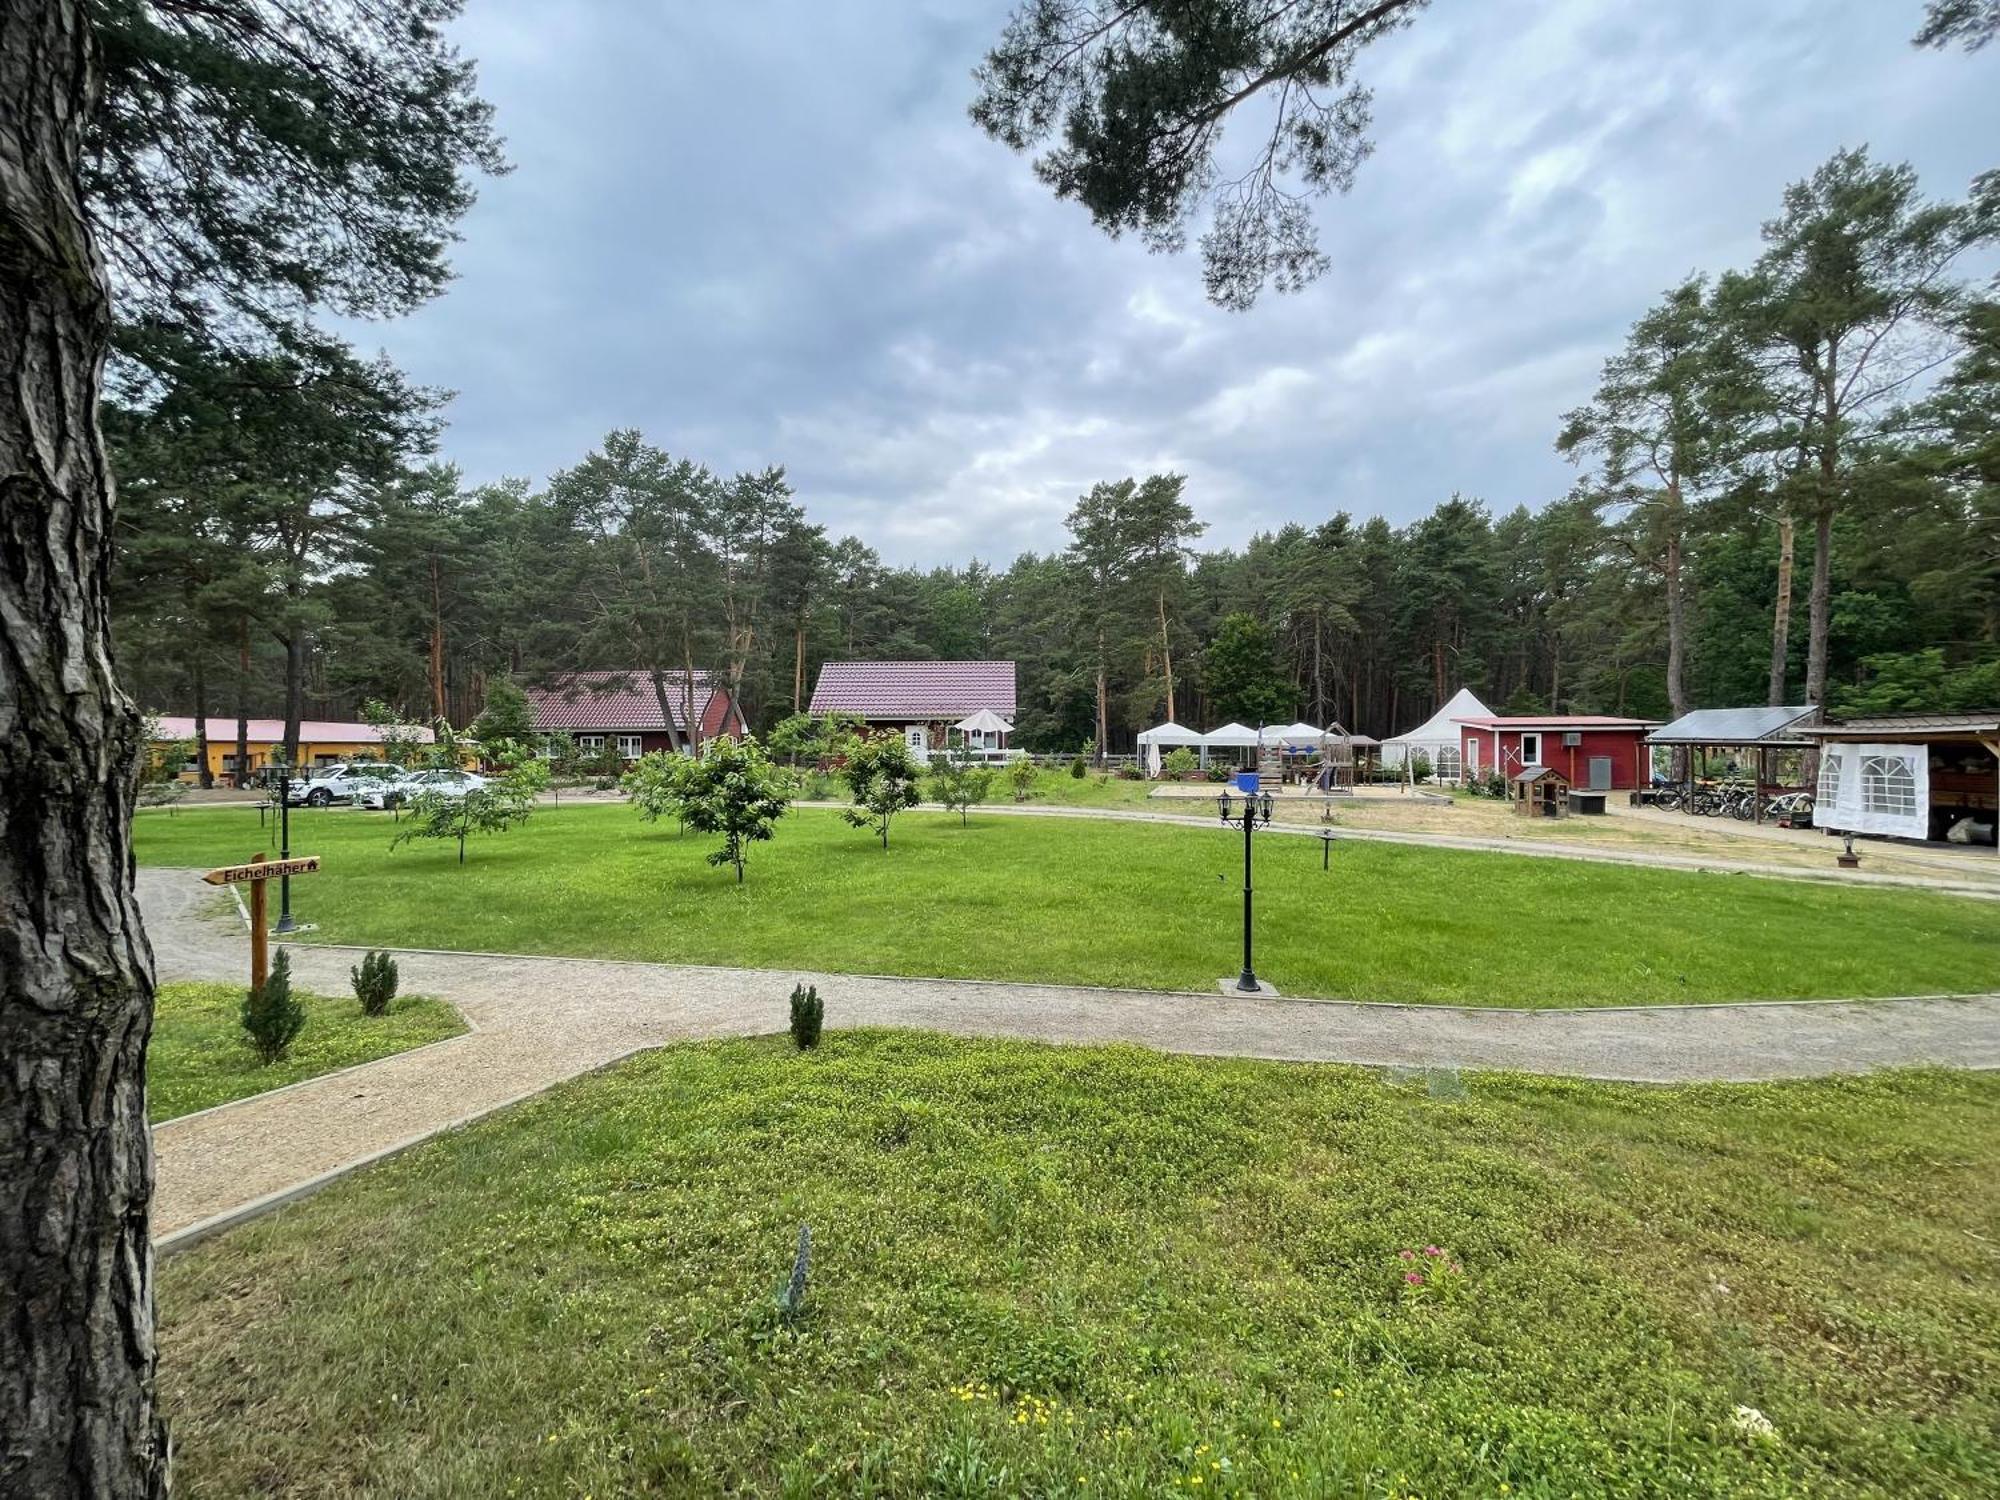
<point x="1102" y="1271"/>
<point x="1114" y="903"/>
<point x="198" y="1057"/>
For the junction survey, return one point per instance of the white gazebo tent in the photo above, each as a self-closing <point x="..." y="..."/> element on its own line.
<point x="1230" y="736"/>
<point x="1437" y="738"/>
<point x="1168" y="734"/>
<point x="984" y="730"/>
<point x="1294" y="736"/>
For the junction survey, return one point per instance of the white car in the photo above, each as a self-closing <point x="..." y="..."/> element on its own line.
<point x="414" y="784"/>
<point x="347" y="781"/>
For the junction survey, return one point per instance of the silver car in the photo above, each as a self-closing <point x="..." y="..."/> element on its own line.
<point x="347" y="781"/>
<point x="413" y="784"/>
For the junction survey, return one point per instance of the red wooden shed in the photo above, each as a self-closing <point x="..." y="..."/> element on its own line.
<point x="1593" y="751"/>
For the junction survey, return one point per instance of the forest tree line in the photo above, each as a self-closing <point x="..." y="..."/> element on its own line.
<point x="1788" y="489"/>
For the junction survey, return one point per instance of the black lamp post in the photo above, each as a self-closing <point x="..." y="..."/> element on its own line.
<point x="285" y="922"/>
<point x="1256" y="811"/>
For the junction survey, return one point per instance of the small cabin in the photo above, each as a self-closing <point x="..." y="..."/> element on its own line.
<point x="1540" y="792"/>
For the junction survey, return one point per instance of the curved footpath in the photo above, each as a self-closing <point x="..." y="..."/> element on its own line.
<point x="537" y="1021"/>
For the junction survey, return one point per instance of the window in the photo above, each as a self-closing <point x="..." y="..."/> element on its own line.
<point x="914" y="738"/>
<point x="1447" y="763"/>
<point x="590" y="744"/>
<point x="629" y="747"/>
<point x="1888" y="785"/>
<point x="1531" y="749"/>
<point x="1472" y="758"/>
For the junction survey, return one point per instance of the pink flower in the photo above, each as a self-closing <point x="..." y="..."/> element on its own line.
<point x="1415" y="1278"/>
<point x="1407" y="1254"/>
<point x="1432" y="1250"/>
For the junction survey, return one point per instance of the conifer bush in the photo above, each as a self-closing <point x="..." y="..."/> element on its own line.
<point x="808" y="1013"/>
<point x="272" y="1014"/>
<point x="374" y="982"/>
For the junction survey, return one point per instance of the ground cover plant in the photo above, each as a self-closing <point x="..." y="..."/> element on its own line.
<point x="1118" y="903"/>
<point x="1102" y="1271"/>
<point x="199" y="1056"/>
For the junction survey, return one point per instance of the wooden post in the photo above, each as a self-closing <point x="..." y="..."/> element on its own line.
<point x="260" y="933"/>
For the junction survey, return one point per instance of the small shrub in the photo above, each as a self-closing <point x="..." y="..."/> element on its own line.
<point x="1131" y="773"/>
<point x="1079" y="767"/>
<point x="1218" y="774"/>
<point x="374" y="982"/>
<point x="1179" y="763"/>
<point x="808" y="1014"/>
<point x="1023" y="773"/>
<point x="792" y="1295"/>
<point x="1496" y="784"/>
<point x="1420" y="767"/>
<point x="272" y="1014"/>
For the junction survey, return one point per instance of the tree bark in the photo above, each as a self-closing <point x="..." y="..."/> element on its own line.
<point x="1676" y="627"/>
<point x="798" y="665"/>
<point x="438" y="707"/>
<point x="1167" y="658"/>
<point x="77" y="1402"/>
<point x="1819" y="606"/>
<point x="1781" y="616"/>
<point x="243" y="703"/>
<point x="203" y="776"/>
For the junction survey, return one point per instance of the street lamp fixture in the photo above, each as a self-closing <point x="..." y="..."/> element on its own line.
<point x="1255" y="811"/>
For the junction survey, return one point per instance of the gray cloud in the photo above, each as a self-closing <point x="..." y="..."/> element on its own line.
<point x="768" y="234"/>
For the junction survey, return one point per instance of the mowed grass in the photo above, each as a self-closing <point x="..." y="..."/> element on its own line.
<point x="1078" y="1271"/>
<point x="199" y="1057"/>
<point x="1111" y="903"/>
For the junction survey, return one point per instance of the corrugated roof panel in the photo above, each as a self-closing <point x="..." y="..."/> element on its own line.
<point x="1732" y="726"/>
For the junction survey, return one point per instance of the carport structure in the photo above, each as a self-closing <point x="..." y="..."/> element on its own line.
<point x="1764" y="734"/>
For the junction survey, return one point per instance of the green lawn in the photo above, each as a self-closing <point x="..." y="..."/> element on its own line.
<point x="1044" y="1271"/>
<point x="198" y="1056"/>
<point x="1113" y="903"/>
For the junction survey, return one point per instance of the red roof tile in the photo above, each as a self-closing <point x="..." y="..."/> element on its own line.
<point x="597" y="701"/>
<point x="915" y="689"/>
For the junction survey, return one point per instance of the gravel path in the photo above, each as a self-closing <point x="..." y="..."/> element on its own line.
<point x="538" y="1021"/>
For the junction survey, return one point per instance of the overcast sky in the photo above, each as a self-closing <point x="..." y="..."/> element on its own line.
<point x="767" y="233"/>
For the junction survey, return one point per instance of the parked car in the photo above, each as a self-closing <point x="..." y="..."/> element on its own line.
<point x="408" y="787"/>
<point x="344" y="782"/>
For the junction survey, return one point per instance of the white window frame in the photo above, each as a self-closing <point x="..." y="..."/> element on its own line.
<point x="589" y="744"/>
<point x="1527" y="759"/>
<point x="1888" y="786"/>
<point x="1827" y="793"/>
<point x="631" y="746"/>
<point x="917" y="738"/>
<point x="1472" y="756"/>
<point x="1448" y="763"/>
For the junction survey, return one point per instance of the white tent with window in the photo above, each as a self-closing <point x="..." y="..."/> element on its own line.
<point x="1164" y="736"/>
<point x="984" y="730"/>
<point x="1437" y="738"/>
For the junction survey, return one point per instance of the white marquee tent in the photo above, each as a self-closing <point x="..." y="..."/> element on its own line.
<point x="1230" y="736"/>
<point x="1437" y="737"/>
<point x="1168" y="734"/>
<point x="1292" y="736"/>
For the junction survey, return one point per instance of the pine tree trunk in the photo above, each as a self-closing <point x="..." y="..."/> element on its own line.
<point x="798" y="665"/>
<point x="203" y="776"/>
<point x="295" y="681"/>
<point x="437" y="645"/>
<point x="1167" y="658"/>
<point x="243" y="702"/>
<point x="1781" y="616"/>
<point x="1676" y="628"/>
<point x="1819" y="606"/>
<point x="77" y="1399"/>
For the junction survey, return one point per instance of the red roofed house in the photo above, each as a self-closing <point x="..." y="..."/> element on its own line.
<point x="622" y="709"/>
<point x="1593" y="751"/>
<point x="924" y="701"/>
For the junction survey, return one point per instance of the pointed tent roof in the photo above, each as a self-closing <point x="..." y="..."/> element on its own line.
<point x="1441" y="728"/>
<point x="1300" y="733"/>
<point x="1169" y="733"/>
<point x="1230" y="734"/>
<point x="984" y="722"/>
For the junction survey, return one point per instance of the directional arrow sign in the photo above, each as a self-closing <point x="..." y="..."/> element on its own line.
<point x="265" y="869"/>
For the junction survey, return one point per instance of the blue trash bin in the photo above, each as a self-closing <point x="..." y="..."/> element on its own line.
<point x="1246" y="782"/>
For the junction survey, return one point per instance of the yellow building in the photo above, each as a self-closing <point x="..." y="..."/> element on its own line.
<point x="322" y="742"/>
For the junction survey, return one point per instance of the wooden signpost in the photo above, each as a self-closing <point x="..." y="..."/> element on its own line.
<point x="257" y="872"/>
